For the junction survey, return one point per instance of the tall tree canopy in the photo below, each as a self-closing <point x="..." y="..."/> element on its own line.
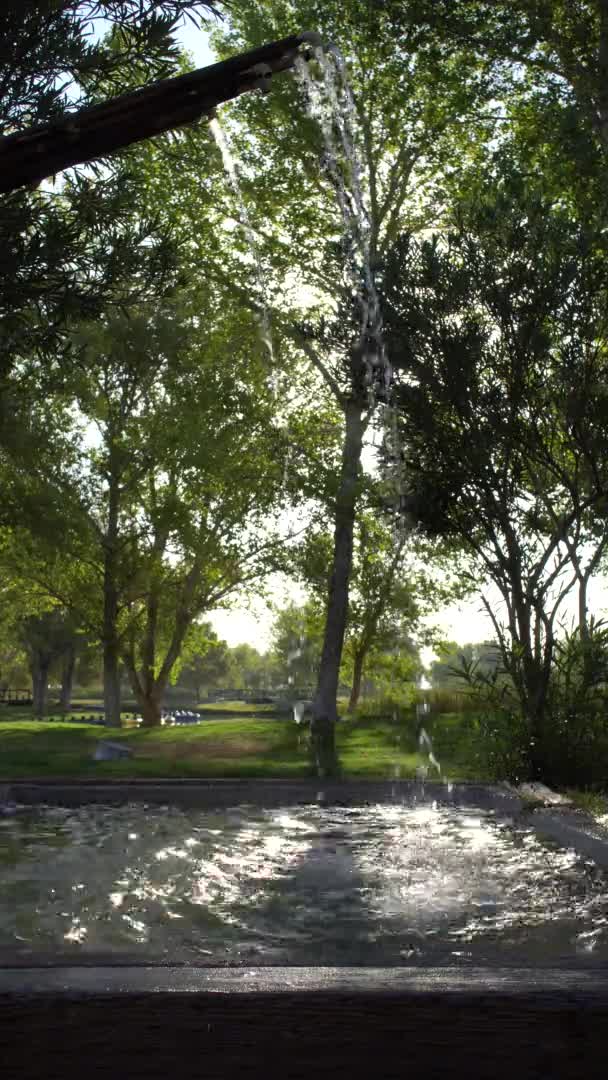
<point x="320" y="233"/>
<point x="61" y="255"/>
<point x="167" y="495"/>
<point x="498" y="328"/>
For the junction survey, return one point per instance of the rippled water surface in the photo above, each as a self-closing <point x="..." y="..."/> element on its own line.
<point x="385" y="885"/>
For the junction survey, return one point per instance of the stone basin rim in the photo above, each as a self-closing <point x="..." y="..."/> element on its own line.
<point x="569" y="828"/>
<point x="103" y="980"/>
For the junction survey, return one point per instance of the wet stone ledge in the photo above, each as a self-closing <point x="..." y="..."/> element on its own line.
<point x="568" y="827"/>
<point x="218" y="794"/>
<point x="303" y="1023"/>
<point x="183" y="1022"/>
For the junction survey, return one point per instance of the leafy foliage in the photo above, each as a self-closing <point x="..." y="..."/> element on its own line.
<point x="498" y="329"/>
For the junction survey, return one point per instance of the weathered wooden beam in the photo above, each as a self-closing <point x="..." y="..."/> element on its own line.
<point x="27" y="157"/>
<point x="501" y="1024"/>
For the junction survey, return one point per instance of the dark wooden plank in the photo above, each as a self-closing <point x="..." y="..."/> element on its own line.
<point x="93" y="132"/>
<point x="305" y="1023"/>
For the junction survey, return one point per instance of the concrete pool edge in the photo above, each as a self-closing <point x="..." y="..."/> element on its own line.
<point x="571" y="829"/>
<point x="156" y="1021"/>
<point x="153" y="979"/>
<point x="219" y="792"/>
<point x="303" y="1023"/>
<point x="568" y="827"/>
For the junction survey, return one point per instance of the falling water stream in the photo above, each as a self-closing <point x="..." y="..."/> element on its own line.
<point x="322" y="75"/>
<point x="231" y="170"/>
<point x="330" y="103"/>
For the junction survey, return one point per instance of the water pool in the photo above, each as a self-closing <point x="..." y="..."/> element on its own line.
<point x="380" y="885"/>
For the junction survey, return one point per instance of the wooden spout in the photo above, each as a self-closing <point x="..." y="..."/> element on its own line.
<point x="28" y="156"/>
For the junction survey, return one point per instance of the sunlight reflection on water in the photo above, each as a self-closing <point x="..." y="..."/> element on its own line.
<point x="385" y="884"/>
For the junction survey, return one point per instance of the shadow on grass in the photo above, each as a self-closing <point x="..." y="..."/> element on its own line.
<point x="387" y="745"/>
<point x="231" y="749"/>
<point x="29" y="748"/>
<point x="380" y="747"/>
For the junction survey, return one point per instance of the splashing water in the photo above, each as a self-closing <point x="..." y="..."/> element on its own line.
<point x="286" y="464"/>
<point x="231" y="170"/>
<point x="395" y="473"/>
<point x="300" y="708"/>
<point x="378" y="885"/>
<point x="298" y="650"/>
<point x="425" y="743"/>
<point x="330" y="103"/>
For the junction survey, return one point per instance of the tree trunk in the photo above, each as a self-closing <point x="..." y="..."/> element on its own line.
<point x="584" y="634"/>
<point x="150" y="705"/>
<point x="67" y="678"/>
<point x="601" y="105"/>
<point x="583" y="622"/>
<point x="111" y="685"/>
<point x="355" y="691"/>
<point x="531" y="670"/>
<point x="111" y="675"/>
<point x="149" y="697"/>
<point x="536" y="750"/>
<point x="118" y="122"/>
<point x="39" y="667"/>
<point x="149" y="687"/>
<point x="324" y="708"/>
<point x="536" y="687"/>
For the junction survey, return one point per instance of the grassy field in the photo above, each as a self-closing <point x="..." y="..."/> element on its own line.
<point x="85" y="705"/>
<point x="251" y="745"/>
<point x="239" y="707"/>
<point x="231" y="747"/>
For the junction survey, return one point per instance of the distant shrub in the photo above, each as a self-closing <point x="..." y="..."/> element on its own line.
<point x="504" y="743"/>
<point x="447" y="699"/>
<point x="575" y="737"/>
<point x="575" y="745"/>
<point x="501" y="745"/>
<point x="393" y="705"/>
<point x="573" y="741"/>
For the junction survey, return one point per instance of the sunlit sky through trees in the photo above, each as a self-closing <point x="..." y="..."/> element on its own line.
<point x="464" y="622"/>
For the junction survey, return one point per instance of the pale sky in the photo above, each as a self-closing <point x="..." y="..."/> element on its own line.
<point x="197" y="43"/>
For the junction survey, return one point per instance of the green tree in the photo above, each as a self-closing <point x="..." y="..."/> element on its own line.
<point x="383" y="608"/>
<point x="396" y="584"/>
<point x="499" y="326"/>
<point x="88" y="671"/>
<point x="14" y="672"/>
<point x="297" y="638"/>
<point x="169" y="504"/>
<point x="559" y="45"/>
<point x="249" y="668"/>
<point x="445" y="668"/>
<point x="47" y="638"/>
<point x="205" y="663"/>
<point x="65" y="249"/>
<point x="315" y="240"/>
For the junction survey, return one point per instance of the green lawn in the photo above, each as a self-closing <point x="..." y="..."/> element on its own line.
<point x="236" y="707"/>
<point x="83" y="704"/>
<point x="232" y="747"/>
